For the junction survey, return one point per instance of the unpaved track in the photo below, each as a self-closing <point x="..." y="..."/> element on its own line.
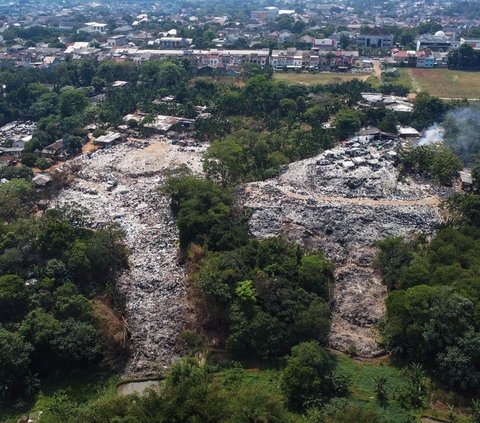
<point x="382" y="202"/>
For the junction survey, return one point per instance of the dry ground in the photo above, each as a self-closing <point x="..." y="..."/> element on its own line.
<point x="445" y="83"/>
<point x="317" y="78"/>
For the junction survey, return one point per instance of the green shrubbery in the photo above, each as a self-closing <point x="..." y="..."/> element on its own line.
<point x="433" y="308"/>
<point x="50" y="269"/>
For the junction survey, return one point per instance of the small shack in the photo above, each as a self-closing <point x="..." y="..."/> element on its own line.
<point x="42" y="179"/>
<point x="108" y="139"/>
<point x="466" y="180"/>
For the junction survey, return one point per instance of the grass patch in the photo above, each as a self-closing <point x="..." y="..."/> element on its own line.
<point x="404" y="79"/>
<point x="316" y="78"/>
<point x="374" y="82"/>
<point x="443" y="83"/>
<point x="81" y="389"/>
<point x="363" y="386"/>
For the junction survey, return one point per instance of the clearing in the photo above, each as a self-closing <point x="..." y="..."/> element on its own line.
<point x="444" y="83"/>
<point x="318" y="78"/>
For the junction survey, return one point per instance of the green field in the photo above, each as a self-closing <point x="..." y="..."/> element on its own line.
<point x="443" y="83"/>
<point x="76" y="391"/>
<point x="362" y="389"/>
<point x="316" y="78"/>
<point x="73" y="391"/>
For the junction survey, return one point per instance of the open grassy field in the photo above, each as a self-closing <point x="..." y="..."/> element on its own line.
<point x="317" y="78"/>
<point x="444" y="83"/>
<point x="72" y="391"/>
<point x="362" y="390"/>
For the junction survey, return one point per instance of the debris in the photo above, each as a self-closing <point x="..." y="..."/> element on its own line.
<point x="120" y="184"/>
<point x="322" y="206"/>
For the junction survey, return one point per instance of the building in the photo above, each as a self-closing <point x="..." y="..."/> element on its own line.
<point x="324" y="44"/>
<point x="437" y="42"/>
<point x="117" y="40"/>
<point x="472" y="42"/>
<point x="269" y="13"/>
<point x="94" y="27"/>
<point x="415" y="59"/>
<point x="466" y="180"/>
<point x="42" y="179"/>
<point x="425" y="59"/>
<point x="374" y="38"/>
<point x="108" y="140"/>
<point x="174" y="42"/>
<point x="54" y="151"/>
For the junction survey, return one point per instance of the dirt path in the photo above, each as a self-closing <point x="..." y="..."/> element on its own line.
<point x="428" y="201"/>
<point x="416" y="85"/>
<point x="377" y="70"/>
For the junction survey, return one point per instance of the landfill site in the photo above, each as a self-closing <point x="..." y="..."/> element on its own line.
<point x="341" y="201"/>
<point x="121" y="185"/>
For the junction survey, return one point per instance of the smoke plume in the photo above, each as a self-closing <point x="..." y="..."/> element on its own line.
<point x="462" y="132"/>
<point x="432" y="135"/>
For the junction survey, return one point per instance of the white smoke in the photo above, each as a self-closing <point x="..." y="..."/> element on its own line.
<point x="462" y="132"/>
<point x="433" y="135"/>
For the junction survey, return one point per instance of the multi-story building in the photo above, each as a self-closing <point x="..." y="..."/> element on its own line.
<point x="436" y="42"/>
<point x="375" y="38"/>
<point x="174" y="42"/>
<point x="94" y="28"/>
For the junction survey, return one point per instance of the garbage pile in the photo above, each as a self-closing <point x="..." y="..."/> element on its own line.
<point x="121" y="185"/>
<point x="341" y="202"/>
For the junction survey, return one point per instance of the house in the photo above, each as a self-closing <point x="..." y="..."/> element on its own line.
<point x="54" y="151"/>
<point x="407" y="132"/>
<point x="174" y="42"/>
<point x="117" y="40"/>
<point x="269" y="13"/>
<point x="12" y="152"/>
<point x="308" y="39"/>
<point x="119" y="84"/>
<point x="108" y="140"/>
<point x="466" y="180"/>
<point x="162" y="123"/>
<point x="472" y="42"/>
<point x="324" y="44"/>
<point x="416" y="59"/>
<point x="42" y="179"/>
<point x="94" y="27"/>
<point x="425" y="59"/>
<point x="140" y="37"/>
<point x="374" y="38"/>
<point x="51" y="61"/>
<point x="284" y="36"/>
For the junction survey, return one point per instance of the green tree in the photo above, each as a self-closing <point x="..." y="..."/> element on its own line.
<point x="427" y="110"/>
<point x="313" y="323"/>
<point x="315" y="274"/>
<point x="14" y="365"/>
<point x="445" y="165"/>
<point x="305" y="374"/>
<point x="223" y="162"/>
<point x="72" y="102"/>
<point x="76" y="343"/>
<point x="16" y="197"/>
<point x="39" y="328"/>
<point x="347" y="122"/>
<point x="13" y="298"/>
<point x="381" y="390"/>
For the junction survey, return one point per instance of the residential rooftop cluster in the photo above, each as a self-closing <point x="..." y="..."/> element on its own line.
<point x="286" y="37"/>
